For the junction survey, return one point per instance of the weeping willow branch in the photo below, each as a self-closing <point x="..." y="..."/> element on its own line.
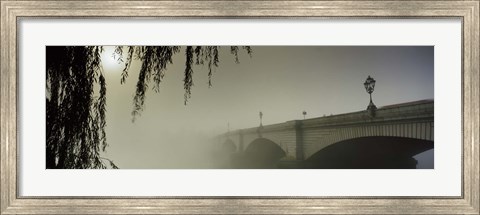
<point x="75" y="116"/>
<point x="155" y="59"/>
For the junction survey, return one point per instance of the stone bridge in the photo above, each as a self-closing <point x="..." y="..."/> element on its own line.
<point x="300" y="139"/>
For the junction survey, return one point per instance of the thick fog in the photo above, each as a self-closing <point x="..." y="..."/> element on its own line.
<point x="282" y="82"/>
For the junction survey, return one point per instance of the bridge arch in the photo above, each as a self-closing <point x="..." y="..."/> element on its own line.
<point x="375" y="152"/>
<point x="260" y="153"/>
<point x="262" y="144"/>
<point x="421" y="130"/>
<point x="229" y="146"/>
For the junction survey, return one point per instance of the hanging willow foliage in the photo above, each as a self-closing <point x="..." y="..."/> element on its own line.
<point x="154" y="63"/>
<point x="76" y="113"/>
<point x="75" y="118"/>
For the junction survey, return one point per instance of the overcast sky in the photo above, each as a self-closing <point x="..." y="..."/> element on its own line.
<point x="280" y="81"/>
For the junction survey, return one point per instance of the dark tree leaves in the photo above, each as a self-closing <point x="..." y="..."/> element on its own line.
<point x="188" y="80"/>
<point x="128" y="62"/>
<point x="234" y="51"/>
<point x="155" y="60"/>
<point x="75" y="116"/>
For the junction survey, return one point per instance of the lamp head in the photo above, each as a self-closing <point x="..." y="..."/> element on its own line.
<point x="369" y="84"/>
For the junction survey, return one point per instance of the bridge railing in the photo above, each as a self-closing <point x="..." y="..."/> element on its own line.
<point x="423" y="109"/>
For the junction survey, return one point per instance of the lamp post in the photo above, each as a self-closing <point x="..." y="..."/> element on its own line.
<point x="259" y="129"/>
<point x="261" y="116"/>
<point x="369" y="87"/>
<point x="304" y="113"/>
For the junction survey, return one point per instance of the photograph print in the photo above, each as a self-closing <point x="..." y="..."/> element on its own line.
<point x="239" y="107"/>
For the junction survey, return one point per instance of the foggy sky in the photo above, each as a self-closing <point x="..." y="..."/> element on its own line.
<point x="280" y="81"/>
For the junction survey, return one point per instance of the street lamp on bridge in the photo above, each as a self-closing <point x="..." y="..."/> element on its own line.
<point x="369" y="87"/>
<point x="261" y="116"/>
<point x="259" y="129"/>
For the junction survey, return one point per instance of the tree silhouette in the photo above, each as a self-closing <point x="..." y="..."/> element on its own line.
<point x="76" y="95"/>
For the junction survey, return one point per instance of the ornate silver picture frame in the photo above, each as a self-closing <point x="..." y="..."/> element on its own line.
<point x="13" y="203"/>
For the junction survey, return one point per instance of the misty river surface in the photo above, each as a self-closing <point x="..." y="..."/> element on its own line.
<point x="360" y="153"/>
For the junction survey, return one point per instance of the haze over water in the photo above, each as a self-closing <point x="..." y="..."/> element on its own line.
<point x="280" y="81"/>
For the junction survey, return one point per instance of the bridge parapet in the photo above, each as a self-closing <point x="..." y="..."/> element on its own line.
<point x="423" y="109"/>
<point x="414" y="110"/>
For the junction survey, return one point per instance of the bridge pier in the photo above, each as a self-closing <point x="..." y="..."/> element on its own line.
<point x="240" y="141"/>
<point x="300" y="155"/>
